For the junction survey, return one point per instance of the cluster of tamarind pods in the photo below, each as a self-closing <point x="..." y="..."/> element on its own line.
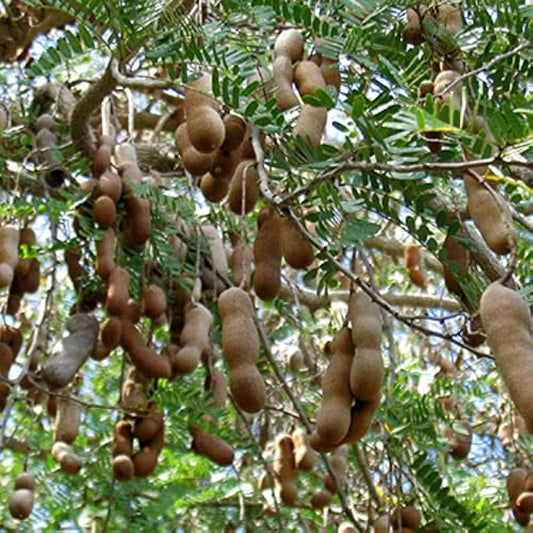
<point x="217" y="148"/>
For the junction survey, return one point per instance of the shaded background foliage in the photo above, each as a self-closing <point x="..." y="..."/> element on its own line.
<point x="363" y="206"/>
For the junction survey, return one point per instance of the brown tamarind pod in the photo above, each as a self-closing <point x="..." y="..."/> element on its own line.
<point x="217" y="385"/>
<point x="30" y="282"/>
<point x="241" y="262"/>
<point x="225" y="163"/>
<point x="283" y="78"/>
<point x="67" y="421"/>
<point x="111" y="332"/>
<point x="491" y="216"/>
<point x="247" y="178"/>
<point x="214" y="189"/>
<point x="235" y="129"/>
<point x="102" y="159"/>
<point x="310" y="125"/>
<point x="104" y="212"/>
<point x="197" y="94"/>
<point x="12" y="336"/>
<point x="107" y="139"/>
<point x="117" y="291"/>
<point x="194" y="339"/>
<point x="308" y="78"/>
<point x="63" y="453"/>
<point x="267" y="256"/>
<point x="330" y="72"/>
<point x="338" y="462"/>
<point x="296" y="249"/>
<point x="154" y="301"/>
<point x="146" y="427"/>
<point x="211" y="446"/>
<point x="131" y="175"/>
<point x="406" y="518"/>
<point x="194" y="161"/>
<point x="140" y="220"/>
<point x="122" y="439"/>
<point x="123" y="468"/>
<point x="149" y="364"/>
<point x="321" y="499"/>
<point x="507" y="322"/>
<point x="413" y="263"/>
<point x="9" y="255"/>
<point x="289" y="43"/>
<point x="361" y="419"/>
<point x="26" y="480"/>
<point x="284" y="469"/>
<point x="333" y="420"/>
<point x="110" y="184"/>
<point x="105" y="254"/>
<point x="145" y="460"/>
<point x="240" y="346"/>
<point x="125" y="153"/>
<point x="21" y="503"/>
<point x="205" y="128"/>
<point x="133" y="311"/>
<point x="412" y="31"/>
<point x="305" y="458"/>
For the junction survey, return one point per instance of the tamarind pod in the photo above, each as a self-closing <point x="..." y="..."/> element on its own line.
<point x="217" y="385"/>
<point x="196" y="162"/>
<point x="457" y="253"/>
<point x="133" y="397"/>
<point x="283" y="78"/>
<point x="214" y="189"/>
<point x="146" y="427"/>
<point x="452" y="98"/>
<point x="321" y="499"/>
<point x="235" y="129"/>
<point x="289" y="43"/>
<point x="194" y="338"/>
<point x="330" y="72"/>
<point x="67" y="421"/>
<point x="493" y="220"/>
<point x="337" y="462"/>
<point x="122" y="439"/>
<point x="361" y="420"/>
<point x="125" y="153"/>
<point x="105" y="254"/>
<point x="154" y="301"/>
<point x="308" y="78"/>
<point x="516" y="483"/>
<point x="411" y="255"/>
<point x="70" y="353"/>
<point x="9" y="255"/>
<point x="101" y="351"/>
<point x="149" y="364"/>
<point x="46" y="141"/>
<point x="412" y="31"/>
<point x="334" y="417"/>
<point x="296" y="249"/>
<point x="365" y="319"/>
<point x="64" y="454"/>
<point x="425" y="87"/>
<point x="411" y="517"/>
<point x="141" y="222"/>
<point x="21" y="503"/>
<point x="521" y="518"/>
<point x="102" y="159"/>
<point x="12" y="337"/>
<point x="145" y="460"/>
<point x="524" y="502"/>
<point x="216" y="247"/>
<point x="197" y="94"/>
<point x="366" y="374"/>
<point x="104" y="212"/>
<point x="246" y="176"/>
<point x="117" y="291"/>
<point x="5" y="389"/>
<point x="267" y="256"/>
<point x="30" y="282"/>
<point x="310" y="125"/>
<point x="130" y="174"/>
<point x="240" y="346"/>
<point x="211" y="446"/>
<point x="305" y="458"/>
<point x="459" y="443"/>
<point x="205" y="128"/>
<point x="123" y="468"/>
<point x="111" y="332"/>
<point x="284" y="468"/>
<point x="107" y="139"/>
<point x="109" y="184"/>
<point x="507" y="323"/>
<point x="449" y="17"/>
<point x="6" y="359"/>
<point x="88" y="186"/>
<point x="26" y="480"/>
<point x="241" y="264"/>
<point x="133" y="311"/>
<point x="225" y="163"/>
